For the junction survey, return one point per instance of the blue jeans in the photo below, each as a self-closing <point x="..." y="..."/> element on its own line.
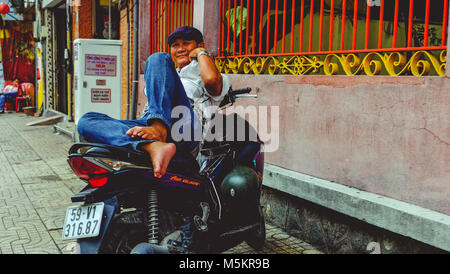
<point x="164" y="91"/>
<point x="6" y="95"/>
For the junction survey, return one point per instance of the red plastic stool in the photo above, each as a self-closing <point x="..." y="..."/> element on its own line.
<point x="20" y="102"/>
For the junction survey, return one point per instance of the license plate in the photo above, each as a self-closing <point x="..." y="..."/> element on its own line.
<point x="83" y="221"/>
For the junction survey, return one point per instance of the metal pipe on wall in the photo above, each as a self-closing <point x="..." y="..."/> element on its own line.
<point x="109" y="18"/>
<point x="69" y="61"/>
<point x="135" y="58"/>
<point x="128" y="60"/>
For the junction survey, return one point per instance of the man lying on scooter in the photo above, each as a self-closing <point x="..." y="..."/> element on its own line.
<point x="187" y="78"/>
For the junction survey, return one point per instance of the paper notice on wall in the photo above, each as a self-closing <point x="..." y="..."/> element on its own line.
<point x="100" y="65"/>
<point x="100" y="95"/>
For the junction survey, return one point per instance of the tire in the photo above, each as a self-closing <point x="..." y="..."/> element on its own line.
<point x="125" y="232"/>
<point x="257" y="238"/>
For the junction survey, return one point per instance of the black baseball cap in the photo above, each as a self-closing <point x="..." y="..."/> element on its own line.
<point x="186" y="33"/>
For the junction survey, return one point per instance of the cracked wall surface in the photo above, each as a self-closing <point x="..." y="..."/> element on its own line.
<point x="385" y="135"/>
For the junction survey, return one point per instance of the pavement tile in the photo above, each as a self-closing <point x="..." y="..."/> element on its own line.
<point x="6" y="249"/>
<point x="60" y="166"/>
<point x="11" y="192"/>
<point x="66" y="247"/>
<point x="40" y="179"/>
<point x="53" y="217"/>
<point x="75" y="185"/>
<point x="5" y="241"/>
<point x="16" y="211"/>
<point x="9" y="178"/>
<point x="18" y="249"/>
<point x="49" y="198"/>
<point x="15" y="148"/>
<point x="32" y="169"/>
<point x="35" y="238"/>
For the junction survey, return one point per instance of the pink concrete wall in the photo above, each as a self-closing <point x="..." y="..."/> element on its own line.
<point x="385" y="135"/>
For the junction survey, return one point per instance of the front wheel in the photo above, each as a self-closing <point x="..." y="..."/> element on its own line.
<point x="257" y="237"/>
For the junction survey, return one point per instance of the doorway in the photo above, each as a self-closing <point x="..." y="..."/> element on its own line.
<point x="61" y="68"/>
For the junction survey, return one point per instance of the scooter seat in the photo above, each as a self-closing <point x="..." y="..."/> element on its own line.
<point x="183" y="162"/>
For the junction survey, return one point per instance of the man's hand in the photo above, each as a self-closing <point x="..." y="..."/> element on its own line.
<point x="193" y="54"/>
<point x="208" y="71"/>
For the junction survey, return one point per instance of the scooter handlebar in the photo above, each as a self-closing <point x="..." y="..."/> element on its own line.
<point x="233" y="94"/>
<point x="246" y="96"/>
<point x="240" y="91"/>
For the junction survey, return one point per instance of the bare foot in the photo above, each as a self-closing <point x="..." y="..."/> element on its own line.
<point x="156" y="131"/>
<point x="161" y="154"/>
<point x="147" y="133"/>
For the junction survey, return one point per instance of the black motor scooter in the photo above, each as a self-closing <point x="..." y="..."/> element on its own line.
<point x="189" y="210"/>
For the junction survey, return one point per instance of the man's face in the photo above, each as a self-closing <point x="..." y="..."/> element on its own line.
<point x="16" y="83"/>
<point x="180" y="49"/>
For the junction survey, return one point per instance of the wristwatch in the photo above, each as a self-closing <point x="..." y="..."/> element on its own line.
<point x="203" y="53"/>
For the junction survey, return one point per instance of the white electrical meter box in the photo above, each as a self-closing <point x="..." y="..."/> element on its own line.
<point x="98" y="77"/>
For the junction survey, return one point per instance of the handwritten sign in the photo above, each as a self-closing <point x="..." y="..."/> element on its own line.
<point x="100" y="95"/>
<point x="100" y="65"/>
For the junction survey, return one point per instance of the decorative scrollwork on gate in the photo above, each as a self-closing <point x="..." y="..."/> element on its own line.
<point x="418" y="63"/>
